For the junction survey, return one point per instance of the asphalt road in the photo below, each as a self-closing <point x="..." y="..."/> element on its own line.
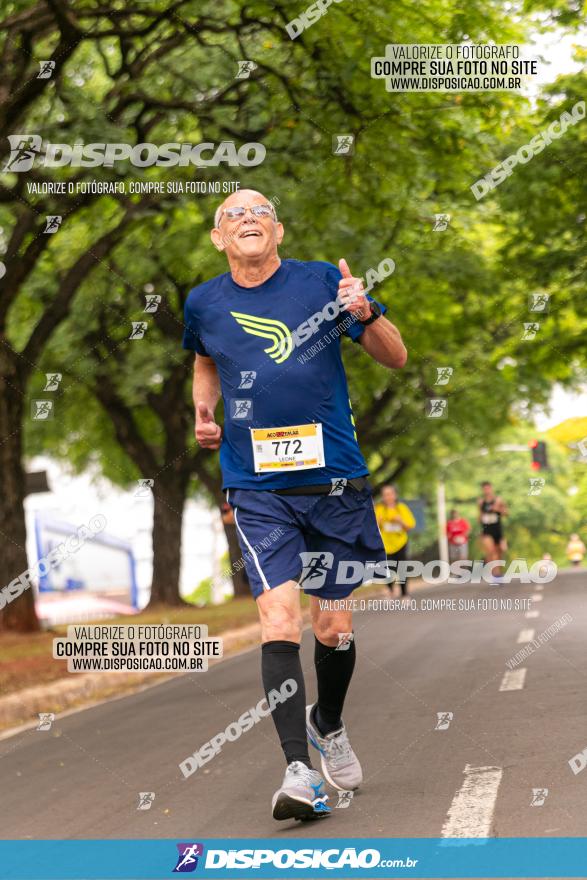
<point x="82" y="779"/>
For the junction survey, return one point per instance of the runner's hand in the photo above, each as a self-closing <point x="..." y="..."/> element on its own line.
<point x="208" y="433"/>
<point x="351" y="294"/>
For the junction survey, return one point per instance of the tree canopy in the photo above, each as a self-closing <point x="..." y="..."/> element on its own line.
<point x="168" y="73"/>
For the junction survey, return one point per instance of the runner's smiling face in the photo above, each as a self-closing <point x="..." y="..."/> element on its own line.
<point x="248" y="239"/>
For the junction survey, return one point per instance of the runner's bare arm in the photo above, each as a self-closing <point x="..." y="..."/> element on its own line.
<point x="500" y="506"/>
<point x="381" y="339"/>
<point x="206" y="394"/>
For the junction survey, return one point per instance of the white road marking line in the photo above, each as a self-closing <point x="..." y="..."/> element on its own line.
<point x="526" y="635"/>
<point x="513" y="680"/>
<point x="531" y="614"/>
<point x="537" y="597"/>
<point x="471" y="811"/>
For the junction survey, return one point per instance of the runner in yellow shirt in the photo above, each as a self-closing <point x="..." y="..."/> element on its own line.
<point x="394" y="519"/>
<point x="575" y="550"/>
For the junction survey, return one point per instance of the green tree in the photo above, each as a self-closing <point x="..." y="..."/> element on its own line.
<point x="168" y="74"/>
<point x="120" y="75"/>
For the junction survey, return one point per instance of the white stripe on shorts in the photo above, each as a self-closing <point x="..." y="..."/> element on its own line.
<point x="251" y="551"/>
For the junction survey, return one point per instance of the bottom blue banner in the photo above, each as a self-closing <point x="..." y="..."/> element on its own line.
<point x="301" y="857"/>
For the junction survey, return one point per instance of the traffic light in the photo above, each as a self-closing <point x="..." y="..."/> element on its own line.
<point x="539" y="457"/>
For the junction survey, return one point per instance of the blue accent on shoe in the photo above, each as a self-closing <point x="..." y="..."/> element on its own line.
<point x="314" y="743"/>
<point x="321" y="807"/>
<point x="317" y="792"/>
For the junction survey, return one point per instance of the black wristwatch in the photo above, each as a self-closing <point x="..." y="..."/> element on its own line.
<point x="375" y="313"/>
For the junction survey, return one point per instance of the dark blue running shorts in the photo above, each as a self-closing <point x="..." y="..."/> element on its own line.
<point x="322" y="541"/>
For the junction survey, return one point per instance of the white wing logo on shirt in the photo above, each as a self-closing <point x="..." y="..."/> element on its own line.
<point x="276" y="331"/>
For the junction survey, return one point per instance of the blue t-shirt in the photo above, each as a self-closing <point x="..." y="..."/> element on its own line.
<point x="277" y="352"/>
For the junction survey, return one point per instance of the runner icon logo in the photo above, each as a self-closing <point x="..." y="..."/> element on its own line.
<point x="152" y="302"/>
<point x="245" y="68"/>
<point x="338" y="485"/>
<point x="146" y="799"/>
<point x="46" y="68"/>
<point x="344" y="641"/>
<point x="539" y="795"/>
<point x="46" y="719"/>
<point x="538" y="302"/>
<point x="437" y="408"/>
<point x="530" y="330"/>
<point x="53" y="380"/>
<point x="41" y="410"/>
<point x="241" y="409"/>
<point x="23" y="149"/>
<point x="247" y="378"/>
<point x="441" y="222"/>
<point x="344" y="800"/>
<point x="52" y="223"/>
<point x="314" y="569"/>
<point x="139" y="328"/>
<point x="187" y="860"/>
<point x="143" y="488"/>
<point x="343" y="144"/>
<point x="444" y="719"/>
<point x="443" y="375"/>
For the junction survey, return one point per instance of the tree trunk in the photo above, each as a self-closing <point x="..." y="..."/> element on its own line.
<point x="19" y="614"/>
<point x="169" y="494"/>
<point x="237" y="571"/>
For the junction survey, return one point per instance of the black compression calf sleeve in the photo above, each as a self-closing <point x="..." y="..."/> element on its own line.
<point x="334" y="670"/>
<point x="280" y="662"/>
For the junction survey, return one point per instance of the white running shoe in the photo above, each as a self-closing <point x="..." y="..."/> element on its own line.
<point x="301" y="795"/>
<point x="340" y="765"/>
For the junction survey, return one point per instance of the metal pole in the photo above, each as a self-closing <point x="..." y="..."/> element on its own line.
<point x="441" y="517"/>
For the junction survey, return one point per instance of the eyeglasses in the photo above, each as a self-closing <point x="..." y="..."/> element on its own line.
<point x="238" y="211"/>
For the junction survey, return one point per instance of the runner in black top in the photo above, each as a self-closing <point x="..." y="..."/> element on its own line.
<point x="491" y="510"/>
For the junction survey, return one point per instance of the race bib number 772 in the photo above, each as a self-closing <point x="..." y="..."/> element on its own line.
<point x="294" y="447"/>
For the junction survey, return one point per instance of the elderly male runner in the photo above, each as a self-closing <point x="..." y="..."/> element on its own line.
<point x="267" y="338"/>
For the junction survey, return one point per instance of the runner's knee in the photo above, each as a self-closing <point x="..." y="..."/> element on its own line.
<point x="281" y="623"/>
<point x="327" y="628"/>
